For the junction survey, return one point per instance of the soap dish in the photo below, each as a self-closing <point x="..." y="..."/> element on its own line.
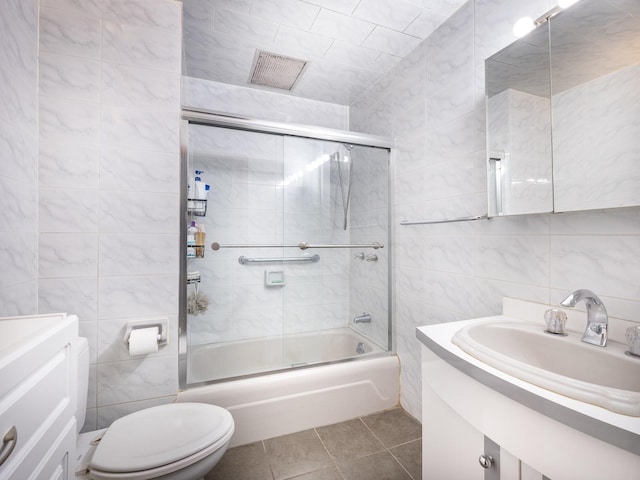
<point x="633" y="339"/>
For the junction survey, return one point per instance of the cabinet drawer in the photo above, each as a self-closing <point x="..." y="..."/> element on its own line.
<point x="33" y="407"/>
<point x="56" y="458"/>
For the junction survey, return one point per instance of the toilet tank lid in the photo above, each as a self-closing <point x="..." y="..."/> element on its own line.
<point x="159" y="436"/>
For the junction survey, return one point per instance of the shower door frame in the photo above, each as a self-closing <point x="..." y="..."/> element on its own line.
<point x="214" y="119"/>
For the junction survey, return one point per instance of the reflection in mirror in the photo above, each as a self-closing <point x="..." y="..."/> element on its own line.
<point x="519" y="127"/>
<point x="595" y="77"/>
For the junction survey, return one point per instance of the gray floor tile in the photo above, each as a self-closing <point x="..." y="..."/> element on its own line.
<point x="247" y="462"/>
<point x="410" y="457"/>
<point x="379" y="466"/>
<point x="295" y="454"/>
<point x="393" y="427"/>
<point x="349" y="440"/>
<point x="330" y="473"/>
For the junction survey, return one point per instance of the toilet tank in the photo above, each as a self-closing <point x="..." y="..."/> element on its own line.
<point x="83" y="381"/>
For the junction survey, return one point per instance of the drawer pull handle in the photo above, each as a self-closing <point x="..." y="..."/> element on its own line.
<point x="8" y="444"/>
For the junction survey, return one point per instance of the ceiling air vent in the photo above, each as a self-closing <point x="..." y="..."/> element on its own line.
<point x="276" y="71"/>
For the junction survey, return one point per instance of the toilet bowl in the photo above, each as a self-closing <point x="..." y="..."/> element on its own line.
<point x="178" y="441"/>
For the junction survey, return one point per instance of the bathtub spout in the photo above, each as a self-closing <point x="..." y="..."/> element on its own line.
<point x="364" y="318"/>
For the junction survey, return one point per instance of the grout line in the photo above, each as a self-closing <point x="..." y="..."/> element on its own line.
<point x="388" y="449"/>
<point x="333" y="460"/>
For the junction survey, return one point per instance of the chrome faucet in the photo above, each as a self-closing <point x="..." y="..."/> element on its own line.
<point x="364" y="318"/>
<point x="597" y="318"/>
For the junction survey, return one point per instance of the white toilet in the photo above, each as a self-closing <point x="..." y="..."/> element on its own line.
<point x="178" y="441"/>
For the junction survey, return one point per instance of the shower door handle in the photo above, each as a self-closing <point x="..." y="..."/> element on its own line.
<point x="302" y="246"/>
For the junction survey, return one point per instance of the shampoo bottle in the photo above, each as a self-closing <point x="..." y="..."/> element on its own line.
<point x="200" y="239"/>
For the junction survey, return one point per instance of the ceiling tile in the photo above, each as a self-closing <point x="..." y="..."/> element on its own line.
<point x="346" y="54"/>
<point x="250" y="28"/>
<point x="396" y="15"/>
<point x="391" y="42"/>
<point x="344" y="73"/>
<point x="424" y="25"/>
<point x="305" y="45"/>
<point x="329" y="89"/>
<point x="289" y="12"/>
<point x="342" y="27"/>
<point x="357" y="56"/>
<point x="439" y="5"/>
<point x="343" y="6"/>
<point x="386" y="62"/>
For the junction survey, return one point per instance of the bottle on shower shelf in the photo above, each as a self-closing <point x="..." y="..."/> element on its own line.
<point x="191" y="240"/>
<point x="200" y="236"/>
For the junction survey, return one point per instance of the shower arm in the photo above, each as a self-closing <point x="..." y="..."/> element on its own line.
<point x="302" y="246"/>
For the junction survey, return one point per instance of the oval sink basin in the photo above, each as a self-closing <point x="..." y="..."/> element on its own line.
<point x="602" y="376"/>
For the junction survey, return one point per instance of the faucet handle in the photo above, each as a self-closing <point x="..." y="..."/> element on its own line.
<point x="632" y="335"/>
<point x="555" y="320"/>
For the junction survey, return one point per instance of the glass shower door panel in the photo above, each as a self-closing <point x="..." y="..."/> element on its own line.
<point x="369" y="289"/>
<point x="335" y="194"/>
<point x="240" y="330"/>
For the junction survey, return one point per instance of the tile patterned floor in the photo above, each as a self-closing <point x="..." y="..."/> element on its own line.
<point x="382" y="446"/>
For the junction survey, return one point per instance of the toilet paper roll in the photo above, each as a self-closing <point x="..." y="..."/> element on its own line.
<point x="143" y="341"/>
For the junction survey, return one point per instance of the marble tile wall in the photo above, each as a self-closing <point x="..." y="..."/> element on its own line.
<point x="262" y="104"/>
<point x="433" y="104"/>
<point x="108" y="187"/>
<point x="18" y="157"/>
<point x="582" y="179"/>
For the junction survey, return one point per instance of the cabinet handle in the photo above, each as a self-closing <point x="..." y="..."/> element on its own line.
<point x="8" y="444"/>
<point x="486" y="461"/>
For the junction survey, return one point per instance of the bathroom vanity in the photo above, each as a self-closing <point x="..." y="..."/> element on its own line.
<point x="37" y="397"/>
<point x="480" y="422"/>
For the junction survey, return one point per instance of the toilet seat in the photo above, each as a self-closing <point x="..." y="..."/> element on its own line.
<point x="160" y="440"/>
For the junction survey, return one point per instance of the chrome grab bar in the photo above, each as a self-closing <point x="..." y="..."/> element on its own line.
<point x="302" y="246"/>
<point x="242" y="260"/>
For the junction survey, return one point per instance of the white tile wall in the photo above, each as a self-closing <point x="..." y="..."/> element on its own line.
<point x="18" y="157"/>
<point x="451" y="272"/>
<point x="262" y="104"/>
<point x="108" y="186"/>
<point x="582" y="179"/>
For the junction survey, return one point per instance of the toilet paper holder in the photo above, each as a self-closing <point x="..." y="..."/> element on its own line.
<point x="161" y="323"/>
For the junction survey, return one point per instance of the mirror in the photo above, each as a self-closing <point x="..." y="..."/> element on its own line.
<point x="563" y="113"/>
<point x="595" y="78"/>
<point x="518" y="93"/>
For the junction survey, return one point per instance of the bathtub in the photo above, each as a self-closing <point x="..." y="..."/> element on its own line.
<point x="300" y="398"/>
<point x="243" y="357"/>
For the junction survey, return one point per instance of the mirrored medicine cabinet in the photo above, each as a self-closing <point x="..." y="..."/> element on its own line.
<point x="563" y="113"/>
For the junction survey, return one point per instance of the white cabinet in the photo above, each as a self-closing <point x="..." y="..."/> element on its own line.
<point x="451" y="447"/>
<point x="37" y="397"/>
<point x="459" y="411"/>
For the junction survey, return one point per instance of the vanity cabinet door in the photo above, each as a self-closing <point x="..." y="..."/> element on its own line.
<point x="529" y="473"/>
<point x="452" y="448"/>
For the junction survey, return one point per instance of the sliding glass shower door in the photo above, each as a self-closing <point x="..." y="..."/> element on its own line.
<point x="259" y="302"/>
